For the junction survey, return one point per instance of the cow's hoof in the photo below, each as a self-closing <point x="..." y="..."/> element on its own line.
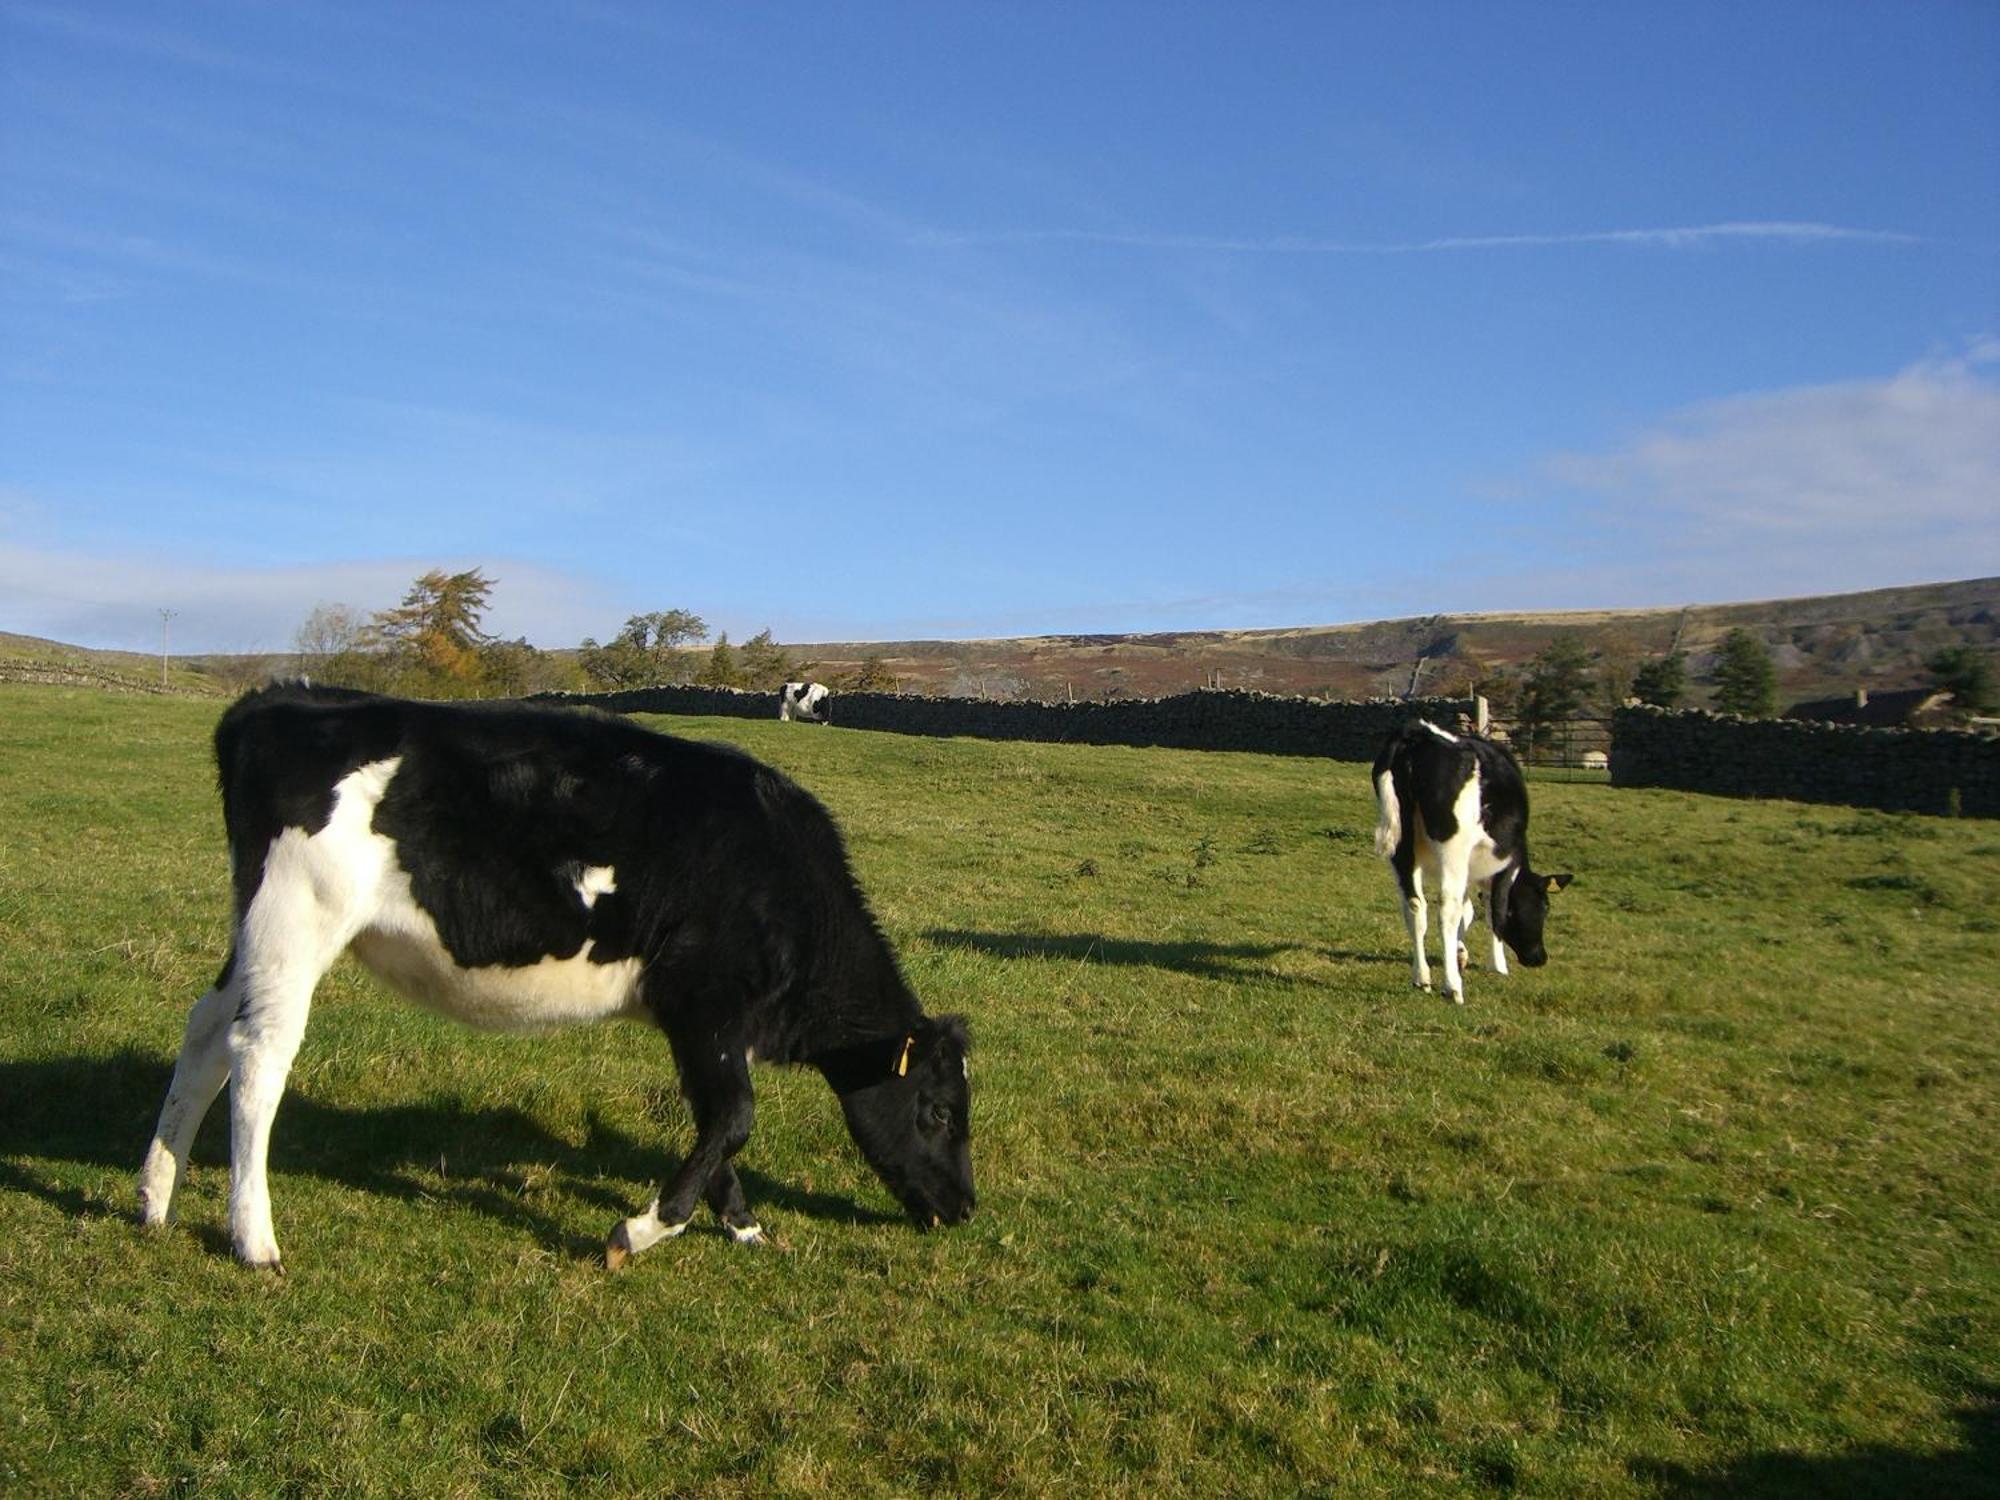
<point x="746" y="1234"/>
<point x="641" y="1232"/>
<point x="261" y="1255"/>
<point x="157" y="1180"/>
<point x="1456" y="997"/>
<point x="618" y="1250"/>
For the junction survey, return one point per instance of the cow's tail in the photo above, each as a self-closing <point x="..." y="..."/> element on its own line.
<point x="1389" y="815"/>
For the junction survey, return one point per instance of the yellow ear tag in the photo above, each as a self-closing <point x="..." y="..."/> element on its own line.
<point x="903" y="1062"/>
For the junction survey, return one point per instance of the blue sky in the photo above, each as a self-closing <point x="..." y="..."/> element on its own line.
<point x="879" y="321"/>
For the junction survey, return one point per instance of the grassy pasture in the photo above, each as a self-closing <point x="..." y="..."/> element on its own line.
<point x="1708" y="1206"/>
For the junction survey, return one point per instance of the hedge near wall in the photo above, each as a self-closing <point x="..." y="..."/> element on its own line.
<point x="1903" y="770"/>
<point x="1227" y="720"/>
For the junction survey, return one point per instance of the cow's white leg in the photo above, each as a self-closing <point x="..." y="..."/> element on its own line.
<point x="1451" y="923"/>
<point x="1416" y="920"/>
<point x="315" y="894"/>
<point x="1493" y="929"/>
<point x="199" y="1073"/>
<point x="263" y="1040"/>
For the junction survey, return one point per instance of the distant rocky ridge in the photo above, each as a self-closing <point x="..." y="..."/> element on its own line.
<point x="1821" y="646"/>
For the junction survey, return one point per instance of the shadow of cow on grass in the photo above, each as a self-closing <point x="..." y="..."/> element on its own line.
<point x="88" y="1111"/>
<point x="1203" y="960"/>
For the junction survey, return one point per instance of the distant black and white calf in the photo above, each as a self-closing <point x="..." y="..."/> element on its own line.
<point x="804" y="700"/>
<point x="1454" y="807"/>
<point x="521" y="867"/>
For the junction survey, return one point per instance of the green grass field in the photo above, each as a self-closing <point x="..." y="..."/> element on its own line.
<point x="1708" y="1206"/>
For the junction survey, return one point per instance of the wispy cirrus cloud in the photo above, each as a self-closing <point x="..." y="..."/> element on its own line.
<point x="1686" y="237"/>
<point x="138" y="38"/>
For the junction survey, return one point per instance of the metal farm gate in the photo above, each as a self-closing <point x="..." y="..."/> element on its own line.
<point x="1567" y="750"/>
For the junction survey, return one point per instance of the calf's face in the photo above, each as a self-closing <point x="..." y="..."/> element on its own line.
<point x="1527" y="913"/>
<point x="914" y="1127"/>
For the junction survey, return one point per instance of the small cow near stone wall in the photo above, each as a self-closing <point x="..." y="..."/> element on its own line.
<point x="807" y="701"/>
<point x="521" y="867"/>
<point x="1454" y="806"/>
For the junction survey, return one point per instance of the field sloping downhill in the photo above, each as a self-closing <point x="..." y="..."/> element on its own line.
<point x="1707" y="1206"/>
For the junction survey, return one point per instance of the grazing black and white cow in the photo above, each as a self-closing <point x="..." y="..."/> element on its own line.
<point x="521" y="867"/>
<point x="804" y="700"/>
<point x="1454" y="806"/>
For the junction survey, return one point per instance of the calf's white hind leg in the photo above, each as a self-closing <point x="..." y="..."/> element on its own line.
<point x="198" y="1078"/>
<point x="263" y="1040"/>
<point x="314" y="897"/>
<point x="246" y="1030"/>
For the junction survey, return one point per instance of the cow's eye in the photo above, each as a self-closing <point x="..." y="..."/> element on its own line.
<point x="938" y="1116"/>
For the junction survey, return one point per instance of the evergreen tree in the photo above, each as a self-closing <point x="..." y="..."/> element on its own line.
<point x="764" y="665"/>
<point x="1745" y="681"/>
<point x="1662" y="681"/>
<point x="1617" y="664"/>
<point x="720" y="668"/>
<point x="1966" y="673"/>
<point x="872" y="676"/>
<point x="1554" y="691"/>
<point x="1501" y="688"/>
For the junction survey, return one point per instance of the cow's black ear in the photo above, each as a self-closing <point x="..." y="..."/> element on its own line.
<point x="1557" y="882"/>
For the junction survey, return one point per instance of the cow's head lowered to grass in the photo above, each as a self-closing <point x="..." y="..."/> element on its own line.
<point x="1520" y="912"/>
<point x="908" y="1107"/>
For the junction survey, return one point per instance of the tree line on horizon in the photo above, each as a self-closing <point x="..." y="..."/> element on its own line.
<point x="1564" y="682"/>
<point x="435" y="645"/>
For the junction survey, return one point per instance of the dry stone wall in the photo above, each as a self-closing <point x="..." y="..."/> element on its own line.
<point x="1265" y="723"/>
<point x="1913" y="770"/>
<point x="1903" y="770"/>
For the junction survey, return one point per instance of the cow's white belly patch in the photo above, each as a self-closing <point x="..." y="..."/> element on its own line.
<point x="401" y="947"/>
<point x="343" y="887"/>
<point x="553" y="992"/>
